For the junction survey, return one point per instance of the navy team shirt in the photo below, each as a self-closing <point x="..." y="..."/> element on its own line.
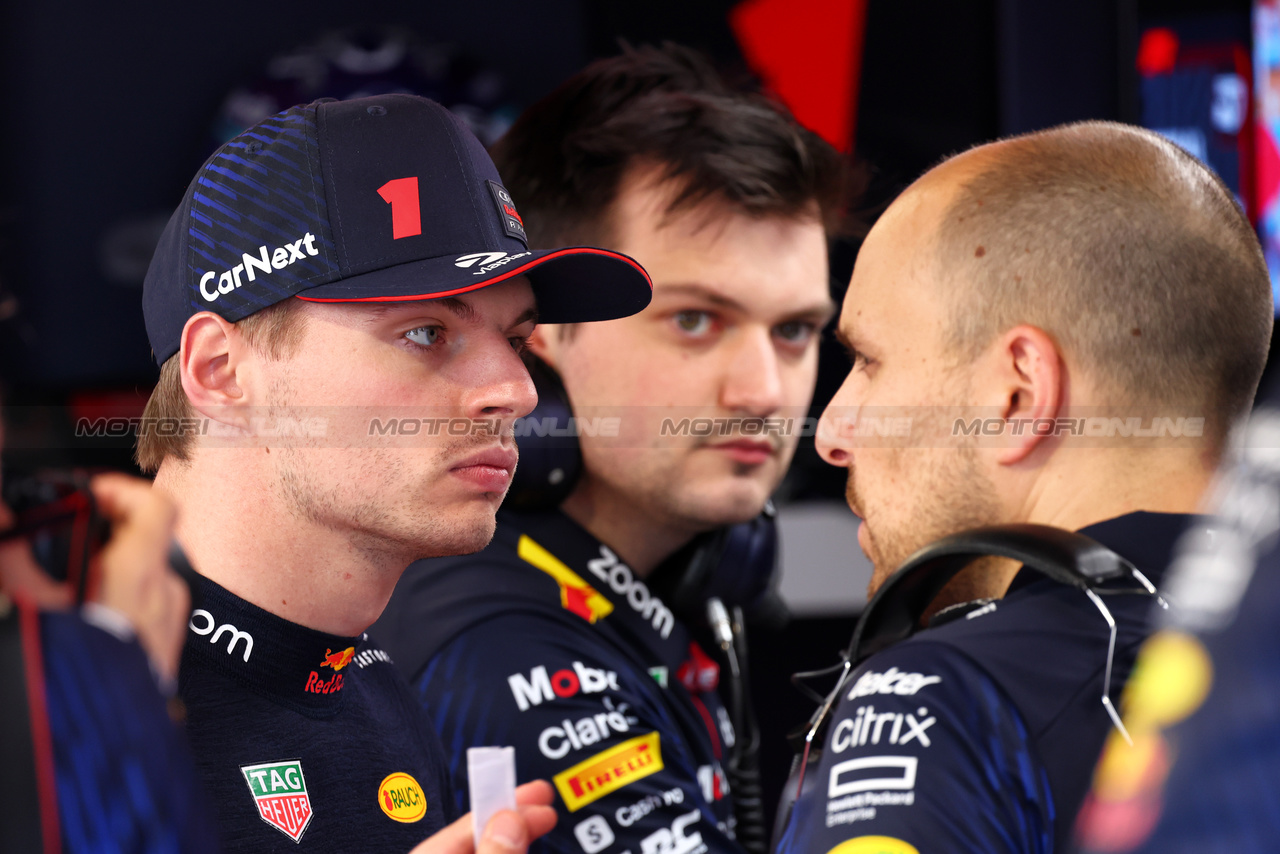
<point x="306" y="741"/>
<point x="122" y="770"/>
<point x="980" y="734"/>
<point x="548" y="642"/>
<point x="1204" y="705"/>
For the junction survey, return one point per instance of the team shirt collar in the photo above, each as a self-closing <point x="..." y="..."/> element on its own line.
<point x="292" y="665"/>
<point x="597" y="585"/>
<point x="1145" y="539"/>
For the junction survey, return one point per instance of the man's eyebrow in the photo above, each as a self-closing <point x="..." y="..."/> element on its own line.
<point x="462" y="310"/>
<point x="459" y="308"/>
<point x="530" y="315"/>
<point x="468" y="314"/>
<point x="702" y="292"/>
<point x="820" y="312"/>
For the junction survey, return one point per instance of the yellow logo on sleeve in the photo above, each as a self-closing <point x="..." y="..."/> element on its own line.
<point x="609" y="770"/>
<point x="401" y="798"/>
<point x="576" y="595"/>
<point x="874" y="845"/>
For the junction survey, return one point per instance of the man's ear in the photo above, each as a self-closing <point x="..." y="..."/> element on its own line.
<point x="1029" y="372"/>
<point x="211" y="363"/>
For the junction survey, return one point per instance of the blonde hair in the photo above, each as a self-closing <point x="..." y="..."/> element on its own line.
<point x="274" y="331"/>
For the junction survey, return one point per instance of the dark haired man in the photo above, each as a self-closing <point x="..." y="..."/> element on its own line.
<point x="1092" y="297"/>
<point x="555" y="638"/>
<point x="337" y="263"/>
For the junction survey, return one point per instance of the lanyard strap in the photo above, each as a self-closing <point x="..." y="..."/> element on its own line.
<point x="28" y="797"/>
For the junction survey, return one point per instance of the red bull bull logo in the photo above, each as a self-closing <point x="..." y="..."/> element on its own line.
<point x="317" y="684"/>
<point x="576" y="595"/>
<point x="338" y="660"/>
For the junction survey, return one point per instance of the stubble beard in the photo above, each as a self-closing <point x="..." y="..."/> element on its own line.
<point x="397" y="524"/>
<point x="665" y="492"/>
<point x="952" y="496"/>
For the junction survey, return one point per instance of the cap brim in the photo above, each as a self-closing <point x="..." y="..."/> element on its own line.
<point x="571" y="285"/>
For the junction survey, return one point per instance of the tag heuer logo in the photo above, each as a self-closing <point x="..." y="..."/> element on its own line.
<point x="280" y="793"/>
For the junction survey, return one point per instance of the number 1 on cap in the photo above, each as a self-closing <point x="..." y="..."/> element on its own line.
<point x="406" y="213"/>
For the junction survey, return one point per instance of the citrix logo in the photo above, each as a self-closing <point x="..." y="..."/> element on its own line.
<point x="282" y="257"/>
<point x="867" y="727"/>
<point x="203" y="624"/>
<point x="540" y="686"/>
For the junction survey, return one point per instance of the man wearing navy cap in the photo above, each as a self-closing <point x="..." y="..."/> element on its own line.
<point x="340" y="267"/>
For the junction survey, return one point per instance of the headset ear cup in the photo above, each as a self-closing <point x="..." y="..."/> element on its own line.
<point x="747" y="573"/>
<point x="550" y="457"/>
<point x="737" y="564"/>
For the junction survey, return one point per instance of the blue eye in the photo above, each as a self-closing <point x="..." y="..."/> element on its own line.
<point x="693" y="322"/>
<point x="424" y="336"/>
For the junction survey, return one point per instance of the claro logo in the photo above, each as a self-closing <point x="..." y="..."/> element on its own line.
<point x="203" y="624"/>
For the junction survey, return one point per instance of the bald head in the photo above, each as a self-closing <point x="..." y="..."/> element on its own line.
<point x="1120" y="245"/>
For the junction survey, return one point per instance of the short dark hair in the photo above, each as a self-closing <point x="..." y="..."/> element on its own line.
<point x="565" y="156"/>
<point x="1126" y="249"/>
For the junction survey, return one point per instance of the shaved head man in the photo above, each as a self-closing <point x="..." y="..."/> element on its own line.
<point x="1071" y="320"/>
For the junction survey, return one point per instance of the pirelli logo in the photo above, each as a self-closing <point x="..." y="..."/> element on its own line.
<point x="609" y="770"/>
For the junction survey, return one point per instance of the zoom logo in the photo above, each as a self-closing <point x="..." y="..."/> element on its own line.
<point x="203" y="624"/>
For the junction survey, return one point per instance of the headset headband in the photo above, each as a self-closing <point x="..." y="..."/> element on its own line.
<point x="893" y="614"/>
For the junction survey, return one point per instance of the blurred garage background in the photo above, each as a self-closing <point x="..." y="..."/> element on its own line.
<point x="110" y="108"/>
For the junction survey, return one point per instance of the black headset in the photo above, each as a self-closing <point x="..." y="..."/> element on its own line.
<point x="550" y="463"/>
<point x="896" y="610"/>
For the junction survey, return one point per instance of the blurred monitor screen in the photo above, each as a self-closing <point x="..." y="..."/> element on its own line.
<point x="1198" y="87"/>
<point x="1266" y="59"/>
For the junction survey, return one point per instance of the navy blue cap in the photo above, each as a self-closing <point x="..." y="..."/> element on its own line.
<point x="373" y="199"/>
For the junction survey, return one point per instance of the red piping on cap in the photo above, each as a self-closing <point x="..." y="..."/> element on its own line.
<point x="507" y="275"/>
